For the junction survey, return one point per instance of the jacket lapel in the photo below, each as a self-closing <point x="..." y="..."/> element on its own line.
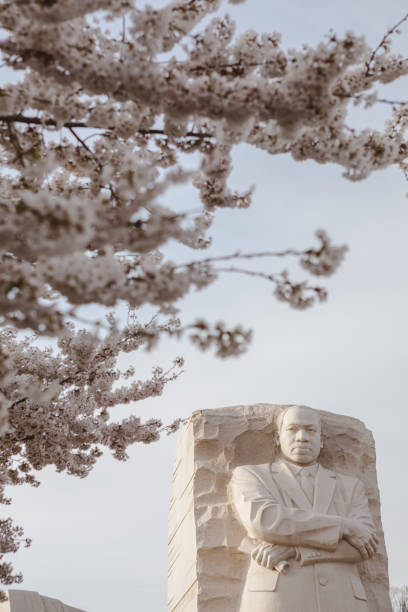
<point x="325" y="484"/>
<point x="288" y="483"/>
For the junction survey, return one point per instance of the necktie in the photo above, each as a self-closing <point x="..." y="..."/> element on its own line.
<point x="307" y="484"/>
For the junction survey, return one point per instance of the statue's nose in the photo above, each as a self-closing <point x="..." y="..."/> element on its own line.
<point x="301" y="435"/>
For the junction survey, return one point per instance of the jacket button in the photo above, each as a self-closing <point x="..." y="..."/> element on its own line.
<point x="323" y="581"/>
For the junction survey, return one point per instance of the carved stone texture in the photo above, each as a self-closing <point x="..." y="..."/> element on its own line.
<point x="30" y="601"/>
<point x="208" y="558"/>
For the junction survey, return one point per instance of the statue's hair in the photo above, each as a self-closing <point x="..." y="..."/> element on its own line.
<point x="280" y="416"/>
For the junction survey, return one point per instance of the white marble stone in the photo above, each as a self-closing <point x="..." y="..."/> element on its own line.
<point x="210" y="541"/>
<point x="31" y="601"/>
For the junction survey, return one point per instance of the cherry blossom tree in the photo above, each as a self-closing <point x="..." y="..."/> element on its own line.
<point x="399" y="598"/>
<point x="110" y="99"/>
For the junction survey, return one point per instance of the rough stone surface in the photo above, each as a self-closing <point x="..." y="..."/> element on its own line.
<point x="207" y="566"/>
<point x="31" y="601"/>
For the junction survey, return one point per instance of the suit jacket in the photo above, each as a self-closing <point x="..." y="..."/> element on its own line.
<point x="273" y="508"/>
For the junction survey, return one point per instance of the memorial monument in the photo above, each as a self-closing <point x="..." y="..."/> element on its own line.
<point x="276" y="509"/>
<point x="20" y="600"/>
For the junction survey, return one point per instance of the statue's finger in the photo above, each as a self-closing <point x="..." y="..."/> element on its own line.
<point x="265" y="557"/>
<point x="255" y="552"/>
<point x="374" y="543"/>
<point x="270" y="562"/>
<point x="363" y="552"/>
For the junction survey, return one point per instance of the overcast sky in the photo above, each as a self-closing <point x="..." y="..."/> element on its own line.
<point x="101" y="543"/>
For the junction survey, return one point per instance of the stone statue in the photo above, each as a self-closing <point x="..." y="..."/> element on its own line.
<point x="31" y="601"/>
<point x="308" y="527"/>
<point x="223" y="472"/>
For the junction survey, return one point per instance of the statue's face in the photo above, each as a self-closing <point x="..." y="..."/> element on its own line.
<point x="300" y="436"/>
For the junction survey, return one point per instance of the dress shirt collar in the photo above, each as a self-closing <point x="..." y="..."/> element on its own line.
<point x="309" y="470"/>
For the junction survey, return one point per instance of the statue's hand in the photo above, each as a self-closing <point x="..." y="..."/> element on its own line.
<point x="361" y="537"/>
<point x="269" y="555"/>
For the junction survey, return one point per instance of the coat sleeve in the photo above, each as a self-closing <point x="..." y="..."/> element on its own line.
<point x="344" y="552"/>
<point x="266" y="518"/>
<point x="359" y="509"/>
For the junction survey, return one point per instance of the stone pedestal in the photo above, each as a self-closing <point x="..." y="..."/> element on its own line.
<point x="207" y="557"/>
<point x="30" y="601"/>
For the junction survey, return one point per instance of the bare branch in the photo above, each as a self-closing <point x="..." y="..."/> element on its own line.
<point x="82" y="142"/>
<point x="239" y="255"/>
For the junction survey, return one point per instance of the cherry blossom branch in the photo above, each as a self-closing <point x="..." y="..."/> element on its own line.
<point x="38" y="121"/>
<point x="255" y="273"/>
<point x="240" y="255"/>
<point x="391" y="102"/>
<point x="371" y="99"/>
<point x="299" y="295"/>
<point x="83" y="143"/>
<point x="383" y="42"/>
<point x="321" y="261"/>
<point x="29" y="120"/>
<point x="236" y="68"/>
<point x="114" y="195"/>
<point x="16" y="144"/>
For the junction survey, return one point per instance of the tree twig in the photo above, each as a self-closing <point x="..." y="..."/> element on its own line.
<point x="382" y="43"/>
<point x="377" y="100"/>
<point x="239" y="255"/>
<point x="264" y="275"/>
<point x="16" y="144"/>
<point x="29" y="120"/>
<point x="83" y="143"/>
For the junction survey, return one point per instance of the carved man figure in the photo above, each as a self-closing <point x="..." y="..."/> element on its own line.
<point x="307" y="525"/>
